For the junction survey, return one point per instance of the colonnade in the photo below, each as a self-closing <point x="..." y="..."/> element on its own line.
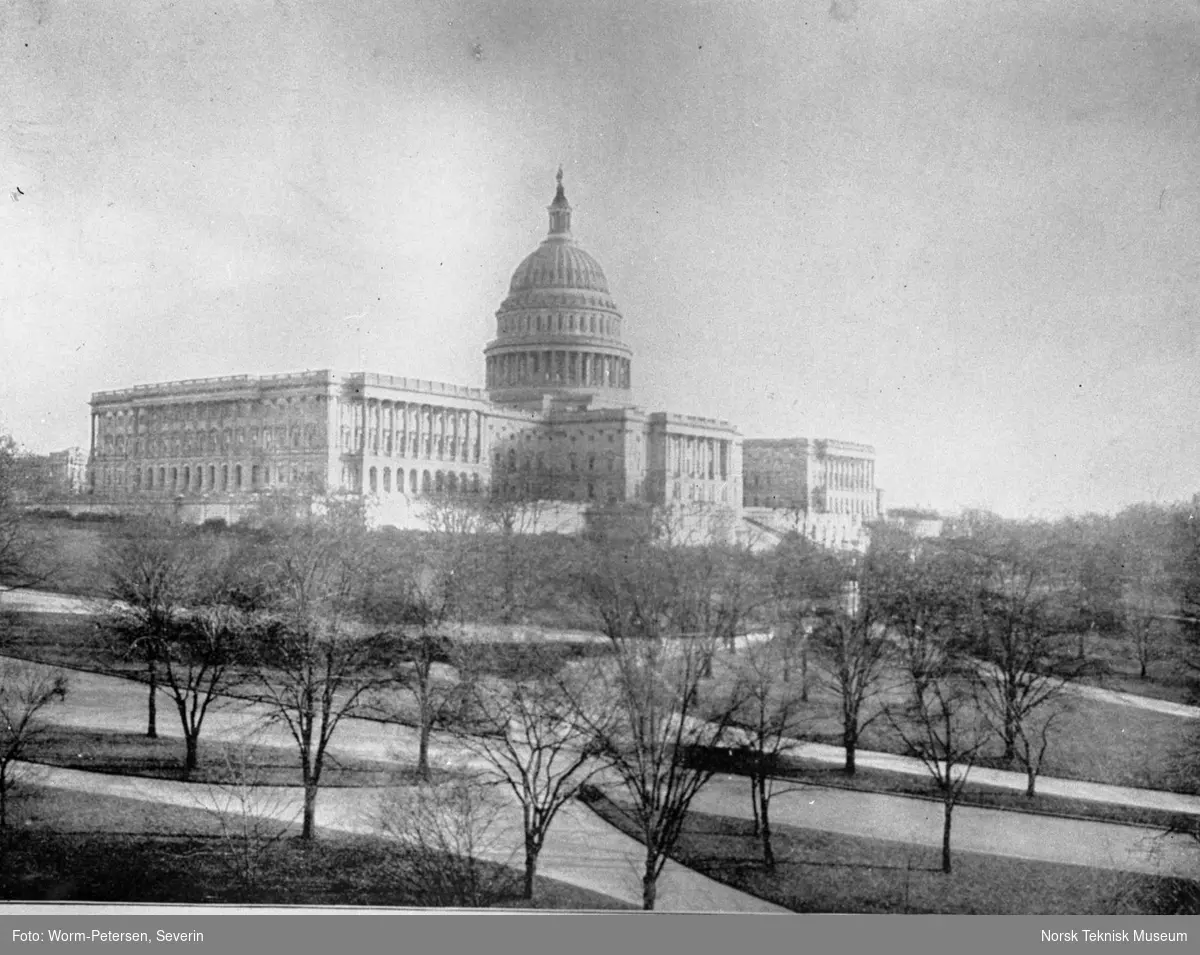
<point x="389" y="428"/>
<point x="562" y="367"/>
<point x="694" y="456"/>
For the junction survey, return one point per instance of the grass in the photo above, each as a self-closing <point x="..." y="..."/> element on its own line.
<point x="135" y="754"/>
<point x="828" y="872"/>
<point x="69" y="846"/>
<point x="1092" y="740"/>
<point x="811" y="773"/>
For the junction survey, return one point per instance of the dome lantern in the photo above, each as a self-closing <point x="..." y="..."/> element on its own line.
<point x="560" y="210"/>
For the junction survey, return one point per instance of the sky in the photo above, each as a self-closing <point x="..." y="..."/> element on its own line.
<point x="964" y="231"/>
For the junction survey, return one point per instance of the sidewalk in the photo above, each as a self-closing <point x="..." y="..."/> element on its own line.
<point x="586" y="849"/>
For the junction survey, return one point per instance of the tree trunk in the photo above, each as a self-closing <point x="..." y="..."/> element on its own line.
<point x="308" y="830"/>
<point x="423" y="748"/>
<point x="804" y="671"/>
<point x="754" y="801"/>
<point x="649" y="885"/>
<point x="1030" y="782"/>
<point x="850" y="742"/>
<point x="949" y="808"/>
<point x="191" y="757"/>
<point x="531" y="860"/>
<point x="4" y="799"/>
<point x="1142" y="670"/>
<point x="152" y="706"/>
<point x="764" y="804"/>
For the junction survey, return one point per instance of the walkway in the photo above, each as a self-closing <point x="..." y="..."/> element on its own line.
<point x="585" y="851"/>
<point x="993" y="832"/>
<point x="581" y="848"/>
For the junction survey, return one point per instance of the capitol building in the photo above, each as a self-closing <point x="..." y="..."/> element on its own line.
<point x="555" y="423"/>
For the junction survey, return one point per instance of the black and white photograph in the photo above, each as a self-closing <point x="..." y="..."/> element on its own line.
<point x="600" y="456"/>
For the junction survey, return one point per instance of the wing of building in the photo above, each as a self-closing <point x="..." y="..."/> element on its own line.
<point x="556" y="423"/>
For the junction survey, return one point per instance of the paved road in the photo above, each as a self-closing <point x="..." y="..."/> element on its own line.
<point x="590" y="853"/>
<point x="46" y="602"/>
<point x="581" y="848"/>
<point x="993" y="832"/>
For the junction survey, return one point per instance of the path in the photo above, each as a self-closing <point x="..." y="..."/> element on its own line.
<point x="580" y="849"/>
<point x="993" y="832"/>
<point x="592" y="850"/>
<point x="40" y="601"/>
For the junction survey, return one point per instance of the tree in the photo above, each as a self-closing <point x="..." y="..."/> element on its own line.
<point x="23" y="560"/>
<point x="1019" y="637"/>
<point x="449" y="847"/>
<point x="251" y="818"/>
<point x="317" y="662"/>
<point x="855" y="650"/>
<point x="770" y="715"/>
<point x="803" y="580"/>
<point x="920" y="591"/>
<point x="151" y="573"/>
<point x="415" y="598"/>
<point x="528" y="733"/>
<point x="944" y="729"/>
<point x="25" y="691"/>
<point x="200" y="659"/>
<point x="657" y="720"/>
<point x="649" y="591"/>
<point x="511" y="520"/>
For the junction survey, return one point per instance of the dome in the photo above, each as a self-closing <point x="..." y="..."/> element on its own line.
<point x="558" y="263"/>
<point x="558" y="331"/>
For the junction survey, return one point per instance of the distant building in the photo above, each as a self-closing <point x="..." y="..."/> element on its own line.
<point x="53" y="476"/>
<point x="555" y="422"/>
<point x="821" y="488"/>
<point x="917" y="521"/>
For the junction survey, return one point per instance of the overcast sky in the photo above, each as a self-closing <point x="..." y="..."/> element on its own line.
<point x="965" y="231"/>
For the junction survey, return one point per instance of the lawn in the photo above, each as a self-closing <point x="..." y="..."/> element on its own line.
<point x="134" y="754"/>
<point x="68" y="846"/>
<point x="811" y="773"/>
<point x="827" y="872"/>
<point x="1092" y="740"/>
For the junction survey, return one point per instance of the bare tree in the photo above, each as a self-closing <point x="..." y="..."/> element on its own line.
<point x="945" y="730"/>
<point x="804" y="579"/>
<point x="415" y="599"/>
<point x="528" y="733"/>
<point x="658" y="719"/>
<point x="770" y="716"/>
<point x="200" y="660"/>
<point x="511" y="520"/>
<point x="24" y="558"/>
<point x="25" y="691"/>
<point x="1025" y="663"/>
<point x="151" y="576"/>
<point x="251" y="818"/>
<point x="317" y="663"/>
<point x="449" y="844"/>
<point x="921" y="592"/>
<point x="855" y="651"/>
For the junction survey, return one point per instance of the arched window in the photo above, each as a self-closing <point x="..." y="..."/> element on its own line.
<point x="439" y="482"/>
<point x="412" y="481"/>
<point x="372" y="479"/>
<point x="187" y="479"/>
<point x="475" y="484"/>
<point x="452" y="483"/>
<point x="212" y="477"/>
<point x="426" y="482"/>
<point x="387" y="480"/>
<point x="149" y="479"/>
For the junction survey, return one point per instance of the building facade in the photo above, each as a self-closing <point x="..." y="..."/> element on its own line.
<point x="555" y="422"/>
